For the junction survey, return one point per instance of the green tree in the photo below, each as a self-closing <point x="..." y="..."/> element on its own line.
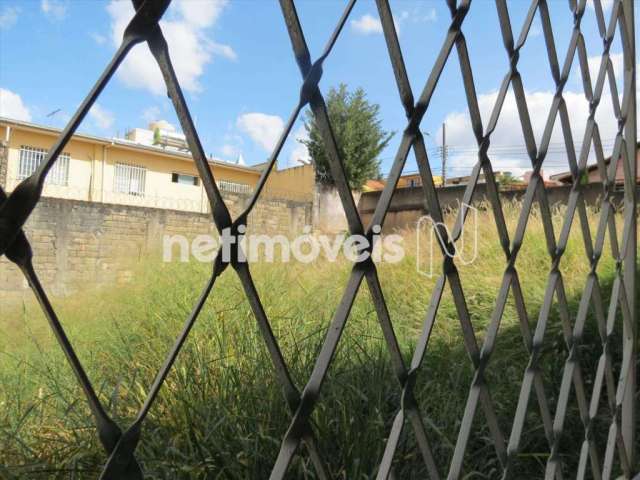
<point x="506" y="179"/>
<point x="358" y="133"/>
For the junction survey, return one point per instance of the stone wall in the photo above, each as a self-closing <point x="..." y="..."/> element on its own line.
<point x="78" y="243"/>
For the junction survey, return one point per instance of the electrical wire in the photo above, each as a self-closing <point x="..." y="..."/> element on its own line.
<point x="499" y="152"/>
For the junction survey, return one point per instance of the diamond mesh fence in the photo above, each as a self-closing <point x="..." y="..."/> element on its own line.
<point x="592" y="461"/>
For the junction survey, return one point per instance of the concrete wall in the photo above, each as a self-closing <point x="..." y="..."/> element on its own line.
<point x="297" y="183"/>
<point x="408" y="204"/>
<point x="78" y="243"/>
<point x="328" y="213"/>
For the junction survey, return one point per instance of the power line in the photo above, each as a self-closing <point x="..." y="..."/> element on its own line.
<point x="504" y="150"/>
<point x="509" y="148"/>
<point x="498" y="152"/>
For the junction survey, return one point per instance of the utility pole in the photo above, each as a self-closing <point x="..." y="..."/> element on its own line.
<point x="444" y="154"/>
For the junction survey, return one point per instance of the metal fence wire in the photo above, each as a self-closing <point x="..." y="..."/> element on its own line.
<point x="120" y="444"/>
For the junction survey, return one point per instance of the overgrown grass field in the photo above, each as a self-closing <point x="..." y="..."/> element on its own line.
<point x="221" y="413"/>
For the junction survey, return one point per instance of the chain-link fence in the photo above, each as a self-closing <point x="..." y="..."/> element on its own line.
<point x="120" y="445"/>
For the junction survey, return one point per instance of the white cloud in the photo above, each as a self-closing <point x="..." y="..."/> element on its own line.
<point x="509" y="131"/>
<point x="606" y="4"/>
<point x="54" y="9"/>
<point x="230" y="150"/>
<point x="262" y="128"/>
<point x="431" y="16"/>
<point x="300" y="153"/>
<point x="103" y="118"/>
<point x="11" y="106"/>
<point x="369" y="24"/>
<point x="99" y="39"/>
<point x="617" y="60"/>
<point x="535" y="31"/>
<point x="418" y="16"/>
<point x="151" y="114"/>
<point x="200" y="13"/>
<point x="186" y="29"/>
<point x="366" y="25"/>
<point x="8" y="17"/>
<point x="224" y="51"/>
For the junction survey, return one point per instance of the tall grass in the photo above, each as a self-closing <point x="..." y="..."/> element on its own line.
<point x="222" y="414"/>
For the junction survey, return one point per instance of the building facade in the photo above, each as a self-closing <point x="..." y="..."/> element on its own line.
<point x="125" y="171"/>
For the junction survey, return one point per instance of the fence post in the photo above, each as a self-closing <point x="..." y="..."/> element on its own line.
<point x="630" y="334"/>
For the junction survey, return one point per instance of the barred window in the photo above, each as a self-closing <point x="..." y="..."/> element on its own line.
<point x="30" y="159"/>
<point x="233" y="187"/>
<point x="129" y="179"/>
<point x="185" y="179"/>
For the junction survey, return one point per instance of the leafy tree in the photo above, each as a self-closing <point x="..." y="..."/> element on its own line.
<point x="507" y="179"/>
<point x="358" y="133"/>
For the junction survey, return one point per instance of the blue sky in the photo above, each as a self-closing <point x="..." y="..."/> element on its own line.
<point x="235" y="63"/>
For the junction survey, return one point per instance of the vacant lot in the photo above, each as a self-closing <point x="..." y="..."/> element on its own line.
<point x="222" y="414"/>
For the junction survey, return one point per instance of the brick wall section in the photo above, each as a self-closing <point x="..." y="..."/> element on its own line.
<point x="4" y="154"/>
<point x="79" y="243"/>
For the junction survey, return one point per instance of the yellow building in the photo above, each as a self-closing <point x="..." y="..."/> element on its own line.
<point x="407" y="180"/>
<point x="134" y="172"/>
<point x="415" y="180"/>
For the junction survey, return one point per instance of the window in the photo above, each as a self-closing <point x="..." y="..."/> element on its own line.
<point x="129" y="179"/>
<point x="30" y="159"/>
<point x="233" y="187"/>
<point x="185" y="179"/>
